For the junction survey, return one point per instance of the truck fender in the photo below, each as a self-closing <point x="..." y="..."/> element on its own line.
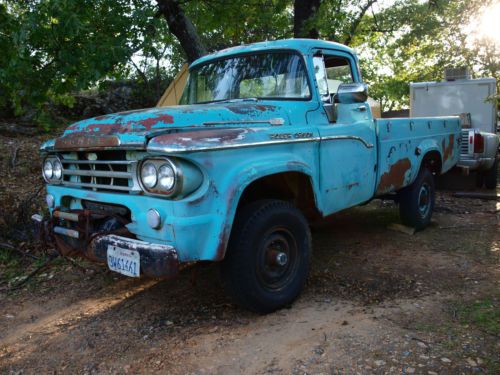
<point x="246" y="177"/>
<point x="428" y="150"/>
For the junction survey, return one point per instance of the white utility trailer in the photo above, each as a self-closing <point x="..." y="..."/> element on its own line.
<point x="472" y="99"/>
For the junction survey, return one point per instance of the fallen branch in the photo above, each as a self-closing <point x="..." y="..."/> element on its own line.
<point x="14" y="130"/>
<point x="33" y="273"/>
<point x="486" y="196"/>
<point x="24" y="205"/>
<point x="14" y="157"/>
<point x="75" y="264"/>
<point x="7" y="246"/>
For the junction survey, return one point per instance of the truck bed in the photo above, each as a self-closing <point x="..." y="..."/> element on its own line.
<point x="404" y="142"/>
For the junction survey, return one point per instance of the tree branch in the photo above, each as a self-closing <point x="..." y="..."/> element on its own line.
<point x="141" y="73"/>
<point x="357" y="21"/>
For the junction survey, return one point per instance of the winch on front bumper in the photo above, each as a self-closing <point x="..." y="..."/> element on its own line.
<point x="74" y="234"/>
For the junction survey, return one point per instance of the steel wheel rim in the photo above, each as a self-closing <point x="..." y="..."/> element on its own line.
<point x="424" y="199"/>
<point x="277" y="259"/>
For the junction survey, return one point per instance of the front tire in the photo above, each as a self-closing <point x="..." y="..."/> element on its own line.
<point x="416" y="202"/>
<point x="268" y="257"/>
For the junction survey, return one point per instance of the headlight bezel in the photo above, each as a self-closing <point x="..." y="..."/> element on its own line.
<point x="52" y="159"/>
<point x="156" y="190"/>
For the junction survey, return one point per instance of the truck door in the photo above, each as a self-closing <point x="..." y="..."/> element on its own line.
<point x="347" y="153"/>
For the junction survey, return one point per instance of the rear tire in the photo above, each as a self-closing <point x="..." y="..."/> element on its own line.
<point x="490" y="176"/>
<point x="268" y="257"/>
<point x="416" y="202"/>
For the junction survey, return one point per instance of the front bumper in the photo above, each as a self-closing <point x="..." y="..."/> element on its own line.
<point x="156" y="260"/>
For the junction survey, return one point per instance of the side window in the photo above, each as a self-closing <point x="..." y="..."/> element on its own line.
<point x="338" y="71"/>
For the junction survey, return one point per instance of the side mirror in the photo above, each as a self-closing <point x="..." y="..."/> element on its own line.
<point x="349" y="93"/>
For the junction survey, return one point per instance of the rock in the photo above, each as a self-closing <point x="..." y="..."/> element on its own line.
<point x="422" y="345"/>
<point x="379" y="362"/>
<point x="445" y="360"/>
<point x="410" y="370"/>
<point x="401" y="228"/>
<point x="471" y="362"/>
<point x="432" y="373"/>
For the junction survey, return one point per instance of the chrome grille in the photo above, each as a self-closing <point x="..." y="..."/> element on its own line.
<point x="464" y="145"/>
<point x="99" y="174"/>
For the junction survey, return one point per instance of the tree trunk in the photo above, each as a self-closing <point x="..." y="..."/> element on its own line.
<point x="182" y="27"/>
<point x="304" y="12"/>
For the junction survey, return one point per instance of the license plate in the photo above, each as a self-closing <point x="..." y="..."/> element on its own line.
<point x="124" y="261"/>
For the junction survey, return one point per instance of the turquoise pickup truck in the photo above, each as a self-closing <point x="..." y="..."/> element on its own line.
<point x="268" y="137"/>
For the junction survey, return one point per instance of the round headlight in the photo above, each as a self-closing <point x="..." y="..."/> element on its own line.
<point x="57" y="170"/>
<point x="149" y="176"/>
<point x="166" y="177"/>
<point x="48" y="169"/>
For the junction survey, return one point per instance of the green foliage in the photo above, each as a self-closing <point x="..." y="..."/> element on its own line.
<point x="414" y="41"/>
<point x="10" y="265"/>
<point x="484" y="314"/>
<point x="225" y="23"/>
<point x="56" y="47"/>
<point x="53" y="48"/>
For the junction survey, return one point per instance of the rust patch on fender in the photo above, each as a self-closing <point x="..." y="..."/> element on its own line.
<point x="215" y="136"/>
<point x="225" y="234"/>
<point x="394" y="178"/>
<point x="448" y="151"/>
<point x="82" y="141"/>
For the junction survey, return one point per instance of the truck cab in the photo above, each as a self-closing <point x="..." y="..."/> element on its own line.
<point x="268" y="137"/>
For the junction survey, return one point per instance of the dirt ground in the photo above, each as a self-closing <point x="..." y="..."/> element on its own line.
<point x="377" y="301"/>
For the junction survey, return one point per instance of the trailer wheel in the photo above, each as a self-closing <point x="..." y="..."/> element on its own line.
<point x="490" y="176"/>
<point x="416" y="202"/>
<point x="268" y="256"/>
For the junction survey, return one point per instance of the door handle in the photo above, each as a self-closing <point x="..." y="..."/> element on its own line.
<point x="361" y="108"/>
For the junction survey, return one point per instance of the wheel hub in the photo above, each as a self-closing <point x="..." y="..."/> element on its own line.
<point x="277" y="258"/>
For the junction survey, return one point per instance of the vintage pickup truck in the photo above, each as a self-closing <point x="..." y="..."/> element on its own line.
<point x="269" y="137"/>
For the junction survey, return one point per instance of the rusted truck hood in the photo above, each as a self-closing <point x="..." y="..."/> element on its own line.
<point x="134" y="129"/>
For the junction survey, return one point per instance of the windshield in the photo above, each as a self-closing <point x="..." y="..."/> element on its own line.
<point x="278" y="75"/>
